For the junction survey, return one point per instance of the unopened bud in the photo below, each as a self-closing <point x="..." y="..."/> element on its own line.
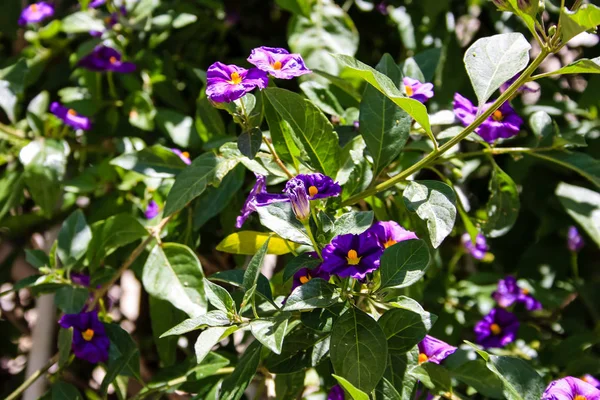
<point x="296" y="192"/>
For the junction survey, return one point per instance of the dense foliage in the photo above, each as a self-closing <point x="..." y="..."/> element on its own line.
<point x="318" y="198"/>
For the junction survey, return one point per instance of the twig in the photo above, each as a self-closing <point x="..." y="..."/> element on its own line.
<point x="277" y="159"/>
<point x="32" y="378"/>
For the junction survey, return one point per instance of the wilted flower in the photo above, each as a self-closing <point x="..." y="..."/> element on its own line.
<point x="478" y="249"/>
<point x="434" y="350"/>
<point x="258" y="197"/>
<point x="509" y="293"/>
<point x="570" y="388"/>
<point x="575" y="241"/>
<point x="503" y="123"/>
<point x="304" y="275"/>
<point x="278" y="62"/>
<point x="104" y="58"/>
<point x="89" y="336"/>
<point x="389" y="233"/>
<point x="319" y="186"/>
<point x="336" y="393"/>
<point x="417" y="90"/>
<point x="152" y="210"/>
<point x="183" y="155"/>
<point x="497" y="329"/>
<point x="70" y="117"/>
<point x="36" y="12"/>
<point x="587" y="378"/>
<point x="352" y="255"/>
<point x="226" y="83"/>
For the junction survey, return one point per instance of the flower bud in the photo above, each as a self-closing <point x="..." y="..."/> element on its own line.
<point x="296" y="192"/>
<point x="503" y="5"/>
<point x="529" y="6"/>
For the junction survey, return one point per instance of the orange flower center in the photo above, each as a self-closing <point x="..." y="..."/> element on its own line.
<point x="185" y="154"/>
<point x="585" y="379"/>
<point x="72" y="112"/>
<point x="34" y="8"/>
<point x="422" y="358"/>
<point x="580" y="397"/>
<point x="107" y="20"/>
<point x="133" y="114"/>
<point x="236" y="79"/>
<point x="312" y="191"/>
<point x="389" y="243"/>
<point x="495" y="328"/>
<point x="409" y="90"/>
<point x="88" y="335"/>
<point x="497" y="115"/>
<point x="112" y="60"/>
<point x="524" y="291"/>
<point x="305" y="279"/>
<point x="277" y="65"/>
<point x="353" y="258"/>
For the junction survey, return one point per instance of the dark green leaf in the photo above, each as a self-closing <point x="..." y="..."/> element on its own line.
<point x="582" y="163"/>
<point x="521" y="381"/>
<point x="156" y="162"/>
<point x="65" y="339"/>
<point x="404" y="263"/>
<point x="321" y="96"/>
<point x="234" y="385"/>
<point x="503" y="205"/>
<point x="433" y="376"/>
<point x="73" y="239"/>
<point x="36" y="258"/>
<point x="71" y="300"/>
<point x="253" y="269"/>
<point x="316" y="293"/>
<point x="288" y="386"/>
<point x="124" y="356"/>
<point x="65" y="391"/>
<point x="386" y="391"/>
<point x="397" y="372"/>
<point x="301" y="7"/>
<point x="282" y="136"/>
<point x="583" y="205"/>
<point x="249" y="142"/>
<point x="354" y="392"/>
<point x="302" y="349"/>
<point x="209" y="123"/>
<point x="219" y="297"/>
<point x="474" y="373"/>
<point x="404" y="329"/>
<point x="163" y="316"/>
<point x="211" y="318"/>
<point x="297" y="263"/>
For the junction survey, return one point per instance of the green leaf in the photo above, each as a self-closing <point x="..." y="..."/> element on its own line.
<point x="173" y="273"/>
<point x="71" y="300"/>
<point x="287" y="386"/>
<point x="386" y="86"/>
<point x="162" y="317"/>
<point x="234" y="385"/>
<point x="404" y="263"/>
<point x="179" y="127"/>
<point x="280" y="218"/>
<point x="493" y="60"/>
<point x="355" y="222"/>
<point x="141" y="111"/>
<point x="124" y="356"/>
<point x="209" y="338"/>
<point x="82" y="21"/>
<point x="581" y="66"/>
<point x="219" y="297"/>
<point x="297" y="263"/>
<point x="474" y="373"/>
<point x="253" y="269"/>
<point x="209" y="122"/>
<point x="397" y="372"/>
<point x="521" y="381"/>
<point x="310" y="127"/>
<point x="36" y="109"/>
<point x="235" y="277"/>
<point x="582" y="163"/>
<point x="282" y="136"/>
<point x="249" y="242"/>
<point x="271" y="331"/>
<point x="435" y="203"/>
<point x="356" y="393"/>
<point x="316" y="293"/>
<point x="302" y="349"/>
<point x="65" y="391"/>
<point x="156" y="162"/>
<point x="358" y="349"/>
<point x="36" y="258"/>
<point x="191" y="182"/>
<point x="583" y="205"/>
<point x="249" y="142"/>
<point x="404" y="328"/>
<point x="433" y="376"/>
<point x="321" y="96"/>
<point x="386" y="391"/>
<point x="341" y="83"/>
<point x="211" y="318"/>
<point x="573" y="23"/>
<point x="73" y="239"/>
<point x="383" y="124"/>
<point x="12" y="84"/>
<point x="503" y="205"/>
<point x="301" y="7"/>
<point x="65" y="339"/>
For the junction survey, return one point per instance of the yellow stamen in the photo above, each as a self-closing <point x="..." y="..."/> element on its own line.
<point x="88" y="335"/>
<point x="353" y="258"/>
<point x="107" y="20"/>
<point x="277" y="65"/>
<point x="133" y="114"/>
<point x="409" y="90"/>
<point x="313" y="191"/>
<point x="34" y="8"/>
<point x="185" y="154"/>
<point x="497" y="115"/>
<point x="112" y="60"/>
<point x="585" y="379"/>
<point x="524" y="291"/>
<point x="495" y="328"/>
<point x="389" y="243"/>
<point x="580" y="397"/>
<point x="305" y="279"/>
<point x="72" y="112"/>
<point x="422" y="358"/>
<point x="236" y="79"/>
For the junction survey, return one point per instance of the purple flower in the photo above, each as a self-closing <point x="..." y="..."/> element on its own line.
<point x="304" y="275"/>
<point x="104" y="58"/>
<point x="80" y="279"/>
<point x="575" y="241"/>
<point x="226" y="83"/>
<point x="503" y="123"/>
<point x="96" y="3"/>
<point x="591" y="380"/>
<point x="70" y="117"/>
<point x="382" y="8"/>
<point x="352" y="255"/>
<point x="296" y="193"/>
<point x="478" y="249"/>
<point x="258" y="197"/>
<point x="278" y="62"/>
<point x="36" y="12"/>
<point x="509" y="293"/>
<point x="336" y="393"/>
<point x="526" y="88"/>
<point x="184" y="155"/>
<point x="434" y="350"/>
<point x="389" y="233"/>
<point x="417" y="90"/>
<point x="570" y="388"/>
<point x="152" y="210"/>
<point x="89" y="337"/>
<point x="319" y="186"/>
<point x="497" y="329"/>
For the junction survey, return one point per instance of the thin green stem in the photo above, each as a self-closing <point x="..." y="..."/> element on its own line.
<point x="277" y="159"/>
<point x="500" y="150"/>
<point x="575" y="266"/>
<point x="111" y="85"/>
<point x="431" y="157"/>
<point x="312" y="238"/>
<point x="32" y="378"/>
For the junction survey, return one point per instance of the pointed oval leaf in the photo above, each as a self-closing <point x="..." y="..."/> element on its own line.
<point x="404" y="263"/>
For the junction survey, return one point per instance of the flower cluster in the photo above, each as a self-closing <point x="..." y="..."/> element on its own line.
<point x="226" y="83"/>
<point x="35" y="13"/>
<point x="509" y="293"/>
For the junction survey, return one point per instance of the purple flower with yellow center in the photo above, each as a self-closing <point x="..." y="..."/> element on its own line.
<point x="504" y="123"/>
<point x="152" y="210"/>
<point x="258" y="197"/>
<point x="570" y="388"/>
<point x="352" y="255"/>
<point x="305" y="275"/>
<point x="183" y="155"/>
<point x="587" y="378"/>
<point x="278" y="62"/>
<point x="434" y="350"/>
<point x="104" y="58"/>
<point x="89" y="336"/>
<point x="35" y="13"/>
<point x="336" y="393"/>
<point x="70" y="117"/>
<point x="477" y="249"/>
<point x="417" y="90"/>
<point x="575" y="241"/>
<point x="389" y="233"/>
<point x="319" y="186"/>
<point x="497" y="329"/>
<point x="509" y="292"/>
<point x="226" y="83"/>
<point x="296" y="193"/>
